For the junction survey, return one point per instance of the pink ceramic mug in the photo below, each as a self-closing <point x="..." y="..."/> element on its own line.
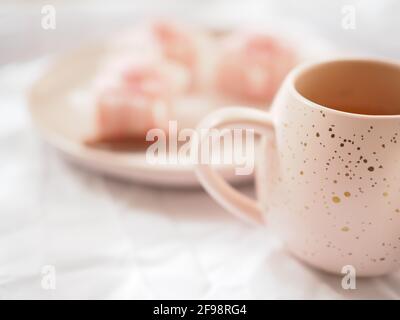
<point x="328" y="174"/>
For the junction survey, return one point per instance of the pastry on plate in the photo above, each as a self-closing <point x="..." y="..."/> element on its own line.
<point x="134" y="95"/>
<point x="163" y="71"/>
<point x="182" y="44"/>
<point x="251" y="66"/>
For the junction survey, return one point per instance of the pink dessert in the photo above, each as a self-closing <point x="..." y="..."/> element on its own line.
<point x="169" y="41"/>
<point x="176" y="43"/>
<point x="252" y="66"/>
<point x="148" y="69"/>
<point x="153" y="68"/>
<point x="133" y="96"/>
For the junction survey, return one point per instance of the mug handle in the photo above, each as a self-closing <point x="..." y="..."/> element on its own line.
<point x="229" y="198"/>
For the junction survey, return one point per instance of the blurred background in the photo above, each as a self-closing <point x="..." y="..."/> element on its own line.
<point x="79" y="20"/>
<point x="68" y="233"/>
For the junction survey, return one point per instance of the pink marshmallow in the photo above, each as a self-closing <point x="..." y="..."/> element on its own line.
<point x="252" y="66"/>
<point x="132" y="98"/>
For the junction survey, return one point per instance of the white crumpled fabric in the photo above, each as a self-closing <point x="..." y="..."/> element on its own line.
<point x="111" y="239"/>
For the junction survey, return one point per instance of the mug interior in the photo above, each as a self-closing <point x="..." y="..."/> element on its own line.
<point x="355" y="86"/>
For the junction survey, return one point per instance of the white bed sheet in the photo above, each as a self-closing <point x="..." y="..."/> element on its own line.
<point x="112" y="239"/>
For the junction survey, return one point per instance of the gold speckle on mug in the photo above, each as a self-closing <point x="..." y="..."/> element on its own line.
<point x="347" y="194"/>
<point x="345" y="229"/>
<point x="397" y="210"/>
<point x="385" y="194"/>
<point x="301" y="172"/>
<point x="336" y="199"/>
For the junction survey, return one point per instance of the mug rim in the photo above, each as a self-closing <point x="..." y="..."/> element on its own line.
<point x="299" y="70"/>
